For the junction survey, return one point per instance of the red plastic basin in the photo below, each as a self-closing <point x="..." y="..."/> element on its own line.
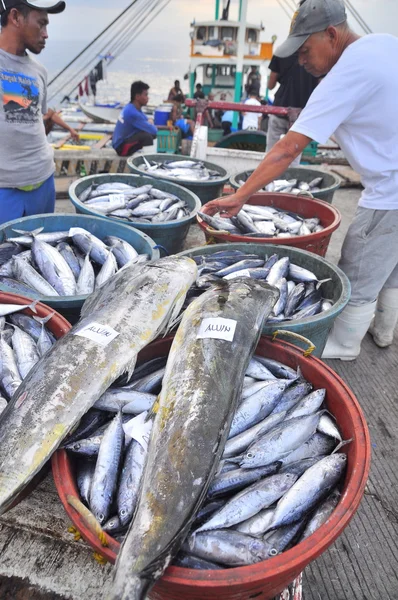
<point x="317" y="243"/>
<point x="58" y="326"/>
<point x="265" y="579"/>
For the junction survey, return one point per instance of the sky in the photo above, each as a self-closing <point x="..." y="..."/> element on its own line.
<point x="167" y="37"/>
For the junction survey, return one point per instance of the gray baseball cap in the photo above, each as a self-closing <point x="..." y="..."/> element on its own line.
<point x="49" y="6"/>
<point x="311" y="17"/>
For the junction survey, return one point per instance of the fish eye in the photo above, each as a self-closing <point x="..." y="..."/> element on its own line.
<point x="250" y="455"/>
<point x="123" y="512"/>
<point x="273" y="552"/>
<point x="101" y="518"/>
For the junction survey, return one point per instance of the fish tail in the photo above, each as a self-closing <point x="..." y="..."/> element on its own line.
<point x="32" y="233"/>
<point x="33" y="306"/>
<point x="321" y="281"/>
<point x="127" y="587"/>
<point x="343" y="443"/>
<point x="44" y="320"/>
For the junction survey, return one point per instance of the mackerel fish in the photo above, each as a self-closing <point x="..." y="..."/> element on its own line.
<point x="136" y="305"/>
<point x="201" y="389"/>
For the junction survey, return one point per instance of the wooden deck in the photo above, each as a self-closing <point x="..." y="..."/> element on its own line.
<point x="41" y="560"/>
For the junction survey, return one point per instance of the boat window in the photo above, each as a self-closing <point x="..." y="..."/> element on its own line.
<point x="209" y="71"/>
<point x="227" y="34"/>
<point x="251" y="35"/>
<point x="201" y="33"/>
<point x="213" y="33"/>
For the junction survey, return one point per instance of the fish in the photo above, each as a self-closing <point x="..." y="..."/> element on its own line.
<point x="298" y="299"/>
<point x="227" y="547"/>
<point x="103" y="485"/>
<point x="25" y="273"/>
<point x="135" y="203"/>
<point x="181" y="170"/>
<point x="136" y="306"/>
<point x="283" y="185"/>
<point x="200" y="391"/>
<point x="54" y="268"/>
<point x="254" y="221"/>
<point x="321" y="514"/>
<point x="250" y="501"/>
<point x="280" y="441"/>
<point x="57" y="267"/>
<point x="312" y="487"/>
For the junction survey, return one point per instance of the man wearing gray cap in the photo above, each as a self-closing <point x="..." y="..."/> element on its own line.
<point x="26" y="158"/>
<point x="356" y="102"/>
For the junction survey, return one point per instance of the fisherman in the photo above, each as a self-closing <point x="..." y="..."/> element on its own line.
<point x="253" y="82"/>
<point x="133" y="128"/>
<point x="356" y="102"/>
<point x="199" y="94"/>
<point x="252" y="120"/>
<point x="187" y="126"/>
<point x="27" y="160"/>
<point x="296" y="86"/>
<point x="175" y="91"/>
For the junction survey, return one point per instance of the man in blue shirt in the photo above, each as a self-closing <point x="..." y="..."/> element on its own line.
<point x="133" y="129"/>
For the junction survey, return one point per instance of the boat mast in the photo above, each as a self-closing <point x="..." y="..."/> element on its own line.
<point x="241" y="53"/>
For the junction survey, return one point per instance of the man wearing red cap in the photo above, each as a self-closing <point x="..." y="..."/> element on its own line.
<point x="356" y="102"/>
<point x="26" y="159"/>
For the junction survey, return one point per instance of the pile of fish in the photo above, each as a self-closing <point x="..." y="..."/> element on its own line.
<point x="276" y="484"/>
<point x="23" y="341"/>
<point x="257" y="221"/>
<point x="62" y="263"/>
<point x="188" y="170"/>
<point x="300" y="289"/>
<point x="144" y="204"/>
<point x="288" y="186"/>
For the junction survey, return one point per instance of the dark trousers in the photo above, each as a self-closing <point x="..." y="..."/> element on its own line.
<point x="135" y="142"/>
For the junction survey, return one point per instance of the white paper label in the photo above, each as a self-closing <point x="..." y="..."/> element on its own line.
<point x="102" y="334"/>
<point x="116" y="197"/>
<point x="139" y="430"/>
<point x="217" y="328"/>
<point x="236" y="274"/>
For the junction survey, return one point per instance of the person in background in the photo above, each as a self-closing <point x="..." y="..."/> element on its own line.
<point x="52" y="118"/>
<point x="296" y="86"/>
<point x="27" y="159"/>
<point x="133" y="128"/>
<point x="199" y="95"/>
<point x="175" y="91"/>
<point x="226" y="121"/>
<point x="252" y="120"/>
<point x="357" y="102"/>
<point x="253" y="82"/>
<point x="186" y="126"/>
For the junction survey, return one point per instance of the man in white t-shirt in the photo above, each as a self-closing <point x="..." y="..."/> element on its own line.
<point x="356" y="102"/>
<point x="252" y="120"/>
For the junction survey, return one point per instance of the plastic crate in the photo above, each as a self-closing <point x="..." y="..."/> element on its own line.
<point x="311" y="149"/>
<point x="169" y="140"/>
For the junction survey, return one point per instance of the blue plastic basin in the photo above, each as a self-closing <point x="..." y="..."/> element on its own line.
<point x="315" y="328"/>
<point x="70" y="306"/>
<point x="170" y="235"/>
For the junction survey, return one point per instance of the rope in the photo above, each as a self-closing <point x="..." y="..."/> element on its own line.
<point x="88" y="518"/>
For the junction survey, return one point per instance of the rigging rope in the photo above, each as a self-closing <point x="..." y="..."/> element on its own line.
<point x="93" y="41"/>
<point x="76" y="77"/>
